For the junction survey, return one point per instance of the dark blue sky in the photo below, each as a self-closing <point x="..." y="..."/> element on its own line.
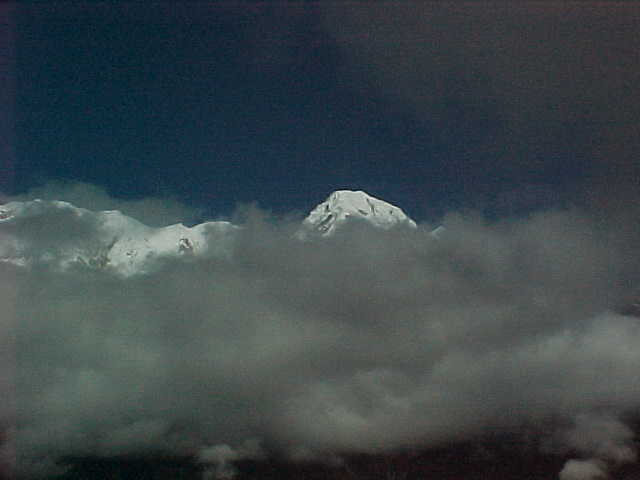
<point x="431" y="106"/>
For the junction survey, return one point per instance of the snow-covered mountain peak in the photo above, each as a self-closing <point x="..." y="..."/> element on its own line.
<point x="345" y="205"/>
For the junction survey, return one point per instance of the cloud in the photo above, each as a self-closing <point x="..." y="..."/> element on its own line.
<point x="364" y="342"/>
<point x="583" y="470"/>
<point x="152" y="211"/>
<point x="221" y="458"/>
<point x="604" y="438"/>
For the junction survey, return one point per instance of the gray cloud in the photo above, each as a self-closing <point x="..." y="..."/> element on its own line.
<point x="220" y="458"/>
<point x="604" y="439"/>
<point x="361" y="342"/>
<point x="583" y="470"/>
<point x="152" y="211"/>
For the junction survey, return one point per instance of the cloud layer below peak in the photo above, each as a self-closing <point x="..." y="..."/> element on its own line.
<point x="366" y="341"/>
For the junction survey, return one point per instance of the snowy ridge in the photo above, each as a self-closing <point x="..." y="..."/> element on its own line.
<point x="64" y="236"/>
<point x="58" y="233"/>
<point x="137" y="245"/>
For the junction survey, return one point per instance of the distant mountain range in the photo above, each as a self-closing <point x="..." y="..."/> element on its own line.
<point x="61" y="235"/>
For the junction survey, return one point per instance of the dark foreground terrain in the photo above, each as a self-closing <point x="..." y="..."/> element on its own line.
<point x="489" y="460"/>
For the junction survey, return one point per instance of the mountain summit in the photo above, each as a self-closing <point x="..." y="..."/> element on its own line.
<point x="347" y="205"/>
